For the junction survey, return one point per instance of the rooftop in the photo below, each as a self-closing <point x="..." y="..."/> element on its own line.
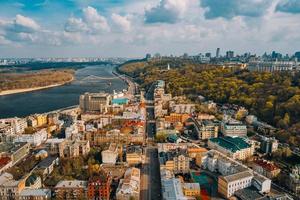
<point x="71" y="184"/>
<point x="233" y="144"/>
<point x="237" y="176"/>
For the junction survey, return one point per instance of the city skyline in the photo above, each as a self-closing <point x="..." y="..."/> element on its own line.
<point x="77" y="28"/>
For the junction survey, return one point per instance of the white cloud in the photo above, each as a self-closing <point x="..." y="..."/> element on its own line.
<point x="91" y="22"/>
<point x="24" y="24"/>
<point x="167" y="11"/>
<point x="122" y="22"/>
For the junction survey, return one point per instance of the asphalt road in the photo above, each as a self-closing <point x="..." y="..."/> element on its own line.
<point x="150" y="182"/>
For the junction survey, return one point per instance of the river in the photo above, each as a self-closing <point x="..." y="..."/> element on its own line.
<point x="88" y="79"/>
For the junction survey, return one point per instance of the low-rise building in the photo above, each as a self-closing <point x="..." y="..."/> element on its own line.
<point x="191" y="189"/>
<point x="10" y="188"/>
<point x="129" y="187"/>
<point x="207" y="129"/>
<point x="134" y="155"/>
<point x="46" y="166"/>
<point x="110" y="155"/>
<point x="35" y="194"/>
<point x="233" y="128"/>
<point x="74" y="148"/>
<point x="14" y="151"/>
<point x="72" y="190"/>
<point x="34" y="139"/>
<point x="234" y="147"/>
<point x="294" y="179"/>
<point x="266" y="168"/>
<point x="268" y="145"/>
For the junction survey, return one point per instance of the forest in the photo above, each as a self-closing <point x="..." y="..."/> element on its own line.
<point x="272" y="97"/>
<point x="11" y="81"/>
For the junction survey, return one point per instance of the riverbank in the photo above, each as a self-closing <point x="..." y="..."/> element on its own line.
<point x="24" y="90"/>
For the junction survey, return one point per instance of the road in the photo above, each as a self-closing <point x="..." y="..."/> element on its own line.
<point x="150" y="178"/>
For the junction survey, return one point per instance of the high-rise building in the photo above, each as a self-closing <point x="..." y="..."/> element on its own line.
<point x="95" y="102"/>
<point x="218" y="53"/>
<point x="297" y="55"/>
<point x="229" y="54"/>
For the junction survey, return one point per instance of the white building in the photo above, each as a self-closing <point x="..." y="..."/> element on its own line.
<point x="172" y="189"/>
<point x="34" y="139"/>
<point x="110" y="155"/>
<point x="233" y="128"/>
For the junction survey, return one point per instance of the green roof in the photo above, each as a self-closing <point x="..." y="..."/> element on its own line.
<point x="231" y="143"/>
<point x="120" y="101"/>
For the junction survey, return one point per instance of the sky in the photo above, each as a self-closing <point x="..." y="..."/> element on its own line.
<point x="132" y="28"/>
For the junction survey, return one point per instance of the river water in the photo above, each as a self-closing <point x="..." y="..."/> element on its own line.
<point x="88" y="79"/>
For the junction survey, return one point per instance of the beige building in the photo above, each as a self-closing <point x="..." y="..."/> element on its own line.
<point x="95" y="102"/>
<point x="207" y="129"/>
<point x="71" y="190"/>
<point x="134" y="155"/>
<point x="73" y="148"/>
<point x="129" y="187"/>
<point x="191" y="189"/>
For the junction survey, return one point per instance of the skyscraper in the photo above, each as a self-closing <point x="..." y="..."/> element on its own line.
<point x="218" y="53"/>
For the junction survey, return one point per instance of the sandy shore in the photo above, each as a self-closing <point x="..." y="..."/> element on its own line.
<point x="8" y="92"/>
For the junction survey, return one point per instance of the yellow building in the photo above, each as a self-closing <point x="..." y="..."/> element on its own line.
<point x="191" y="189"/>
<point x="41" y="120"/>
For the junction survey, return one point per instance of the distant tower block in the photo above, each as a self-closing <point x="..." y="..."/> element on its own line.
<point x="168" y="67"/>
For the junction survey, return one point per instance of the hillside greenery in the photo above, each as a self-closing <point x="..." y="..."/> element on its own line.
<point x="272" y="97"/>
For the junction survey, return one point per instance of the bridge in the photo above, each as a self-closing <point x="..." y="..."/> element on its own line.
<point x="97" y="78"/>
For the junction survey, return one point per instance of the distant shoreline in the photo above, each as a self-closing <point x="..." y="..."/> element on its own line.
<point x="24" y="90"/>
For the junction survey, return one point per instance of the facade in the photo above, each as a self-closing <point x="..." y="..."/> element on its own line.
<point x="71" y="190"/>
<point x="228" y="185"/>
<point x="236" y="148"/>
<point x="129" y="187"/>
<point x="73" y="148"/>
<point x="191" y="189"/>
<point x="134" y="155"/>
<point x="10" y="188"/>
<point x="15" y="151"/>
<point x="268" y="145"/>
<point x="46" y="166"/>
<point x="273" y="66"/>
<point x="41" y="119"/>
<point x="35" y="194"/>
<point x="172" y="189"/>
<point x="95" y="102"/>
<point x="234" y="175"/>
<point x="233" y="128"/>
<point x="294" y="179"/>
<point x="207" y="129"/>
<point x="34" y="139"/>
<point x="266" y="168"/>
<point x="99" y="187"/>
<point x="17" y="125"/>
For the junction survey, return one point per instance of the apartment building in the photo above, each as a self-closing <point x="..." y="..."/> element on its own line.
<point x="266" y="168"/>
<point x="207" y="129"/>
<point x="99" y="187"/>
<point x="74" y="148"/>
<point x="70" y="190"/>
<point x="129" y="186"/>
<point x="233" y="128"/>
<point x="34" y="139"/>
<point x="134" y="155"/>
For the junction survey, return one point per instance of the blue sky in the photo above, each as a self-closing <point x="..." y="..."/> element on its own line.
<point x="132" y="28"/>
